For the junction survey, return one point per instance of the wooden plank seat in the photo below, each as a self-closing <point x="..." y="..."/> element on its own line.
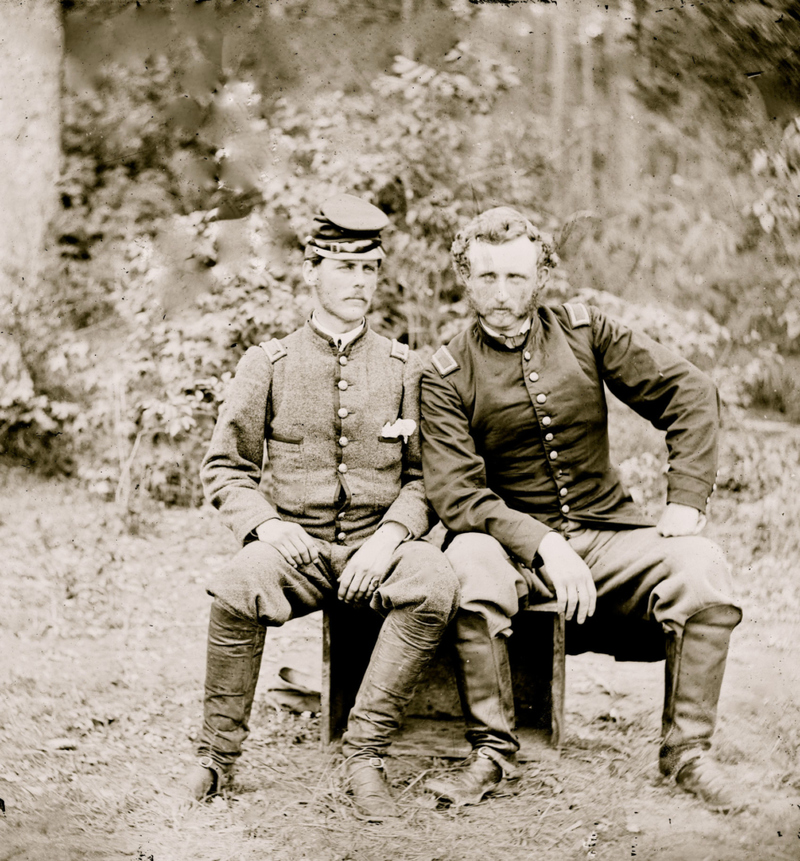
<point x="434" y="723"/>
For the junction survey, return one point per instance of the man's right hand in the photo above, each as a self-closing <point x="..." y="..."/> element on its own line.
<point x="568" y="576"/>
<point x="296" y="546"/>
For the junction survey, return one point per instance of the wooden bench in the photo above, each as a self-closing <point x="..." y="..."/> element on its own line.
<point x="434" y="723"/>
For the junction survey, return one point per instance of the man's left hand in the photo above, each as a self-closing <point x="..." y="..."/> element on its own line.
<point x="680" y="519"/>
<point x="368" y="566"/>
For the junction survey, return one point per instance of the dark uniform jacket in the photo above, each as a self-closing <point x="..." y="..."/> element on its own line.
<point x="335" y="471"/>
<point x="515" y="441"/>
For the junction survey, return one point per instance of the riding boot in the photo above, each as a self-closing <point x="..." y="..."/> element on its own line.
<point x="406" y="644"/>
<point x="695" y="666"/>
<point x="233" y="662"/>
<point x="483" y="674"/>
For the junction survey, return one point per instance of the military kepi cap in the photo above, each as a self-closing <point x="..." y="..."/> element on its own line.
<point x="347" y="226"/>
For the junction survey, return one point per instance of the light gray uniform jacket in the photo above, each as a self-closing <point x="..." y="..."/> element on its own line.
<point x="321" y="414"/>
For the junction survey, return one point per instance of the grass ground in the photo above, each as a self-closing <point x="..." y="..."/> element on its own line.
<point x="103" y="637"/>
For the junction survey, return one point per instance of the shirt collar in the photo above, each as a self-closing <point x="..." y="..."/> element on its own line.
<point x="511" y="342"/>
<point x="341" y="339"/>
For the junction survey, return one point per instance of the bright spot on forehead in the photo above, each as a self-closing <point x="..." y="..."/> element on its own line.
<point x="519" y="255"/>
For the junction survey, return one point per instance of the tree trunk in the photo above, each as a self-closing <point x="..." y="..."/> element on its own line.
<point x="560" y="60"/>
<point x="587" y="124"/>
<point x="30" y="67"/>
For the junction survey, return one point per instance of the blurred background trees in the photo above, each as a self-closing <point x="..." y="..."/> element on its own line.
<point x="660" y="145"/>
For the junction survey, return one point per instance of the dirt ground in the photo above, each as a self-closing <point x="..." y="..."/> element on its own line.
<point x="103" y="642"/>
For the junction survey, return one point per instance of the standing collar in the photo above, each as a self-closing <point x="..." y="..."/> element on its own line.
<point x="341" y="340"/>
<point x="508" y="342"/>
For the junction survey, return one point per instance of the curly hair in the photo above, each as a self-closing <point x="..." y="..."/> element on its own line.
<point x="496" y="226"/>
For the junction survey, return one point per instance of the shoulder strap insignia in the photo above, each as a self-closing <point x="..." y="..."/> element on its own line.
<point x="444" y="362"/>
<point x="399" y="351"/>
<point x="274" y="349"/>
<point x="578" y="314"/>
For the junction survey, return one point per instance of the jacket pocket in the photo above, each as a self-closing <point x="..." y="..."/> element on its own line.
<point x="389" y="453"/>
<point x="289" y="479"/>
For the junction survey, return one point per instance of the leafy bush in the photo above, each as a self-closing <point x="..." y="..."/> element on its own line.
<point x="185" y="236"/>
<point x="36" y="423"/>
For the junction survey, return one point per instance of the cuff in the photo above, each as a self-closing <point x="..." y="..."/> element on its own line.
<point x="688" y="490"/>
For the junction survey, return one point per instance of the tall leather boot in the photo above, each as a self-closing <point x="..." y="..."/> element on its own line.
<point x="233" y="662"/>
<point x="695" y="666"/>
<point x="483" y="674"/>
<point x="406" y="644"/>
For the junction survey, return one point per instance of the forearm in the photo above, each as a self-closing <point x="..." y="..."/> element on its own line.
<point x="231" y="470"/>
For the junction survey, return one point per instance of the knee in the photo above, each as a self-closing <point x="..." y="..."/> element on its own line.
<point x="482" y="566"/>
<point x="442" y="590"/>
<point x="423" y="583"/>
<point x="709" y="566"/>
<point x="251" y="584"/>
<point x="474" y="551"/>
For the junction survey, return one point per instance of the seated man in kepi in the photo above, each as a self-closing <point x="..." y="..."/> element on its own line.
<point x="516" y="462"/>
<point x="337" y="406"/>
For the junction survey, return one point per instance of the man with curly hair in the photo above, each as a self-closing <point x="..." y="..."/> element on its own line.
<point x="516" y="463"/>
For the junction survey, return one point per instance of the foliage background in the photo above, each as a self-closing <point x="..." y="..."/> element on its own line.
<point x="198" y="139"/>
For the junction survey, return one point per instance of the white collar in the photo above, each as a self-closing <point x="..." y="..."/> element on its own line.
<point x="522" y="329"/>
<point x="342" y="339"/>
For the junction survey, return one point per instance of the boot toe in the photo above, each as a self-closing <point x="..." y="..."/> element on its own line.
<point x="204" y="780"/>
<point x="478" y="776"/>
<point x="704" y="779"/>
<point x="369" y="790"/>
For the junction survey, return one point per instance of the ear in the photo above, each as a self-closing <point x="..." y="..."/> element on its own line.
<point x="542" y="276"/>
<point x="310" y="274"/>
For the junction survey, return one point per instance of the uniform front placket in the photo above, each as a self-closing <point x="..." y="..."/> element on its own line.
<point x="547" y="429"/>
<point x="342" y="425"/>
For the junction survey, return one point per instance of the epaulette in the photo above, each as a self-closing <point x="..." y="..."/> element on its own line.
<point x="274" y="349"/>
<point x="578" y="314"/>
<point x="444" y="362"/>
<point x="399" y="351"/>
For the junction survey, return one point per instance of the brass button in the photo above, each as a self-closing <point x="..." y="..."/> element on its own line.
<point x="342" y="413"/>
<point x="342" y="467"/>
<point x="541" y="398"/>
<point x="533" y="377"/>
<point x="546" y="420"/>
<point x="341" y="536"/>
<point x="527" y="356"/>
<point x="565" y="509"/>
<point x="343" y="440"/>
<point x="342" y="360"/>
<point x="563" y="491"/>
<point x="342" y="385"/>
<point x="553" y="455"/>
<point x="548" y="437"/>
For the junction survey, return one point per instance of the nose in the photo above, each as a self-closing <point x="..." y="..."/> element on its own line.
<point x="359" y="276"/>
<point x="501" y="290"/>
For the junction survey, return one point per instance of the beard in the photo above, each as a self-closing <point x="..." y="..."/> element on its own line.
<point x="526" y="311"/>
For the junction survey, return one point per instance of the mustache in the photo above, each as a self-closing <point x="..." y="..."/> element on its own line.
<point x="529" y="307"/>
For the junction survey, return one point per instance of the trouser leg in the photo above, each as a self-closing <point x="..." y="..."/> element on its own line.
<point x="233" y="662"/>
<point x="418" y="597"/>
<point x="696" y="657"/>
<point x="491" y="589"/>
<point x="257" y="588"/>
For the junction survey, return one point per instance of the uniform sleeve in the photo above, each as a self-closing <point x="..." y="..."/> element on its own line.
<point x="231" y="469"/>
<point x="672" y="394"/>
<point x="411" y="507"/>
<point x="455" y="475"/>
